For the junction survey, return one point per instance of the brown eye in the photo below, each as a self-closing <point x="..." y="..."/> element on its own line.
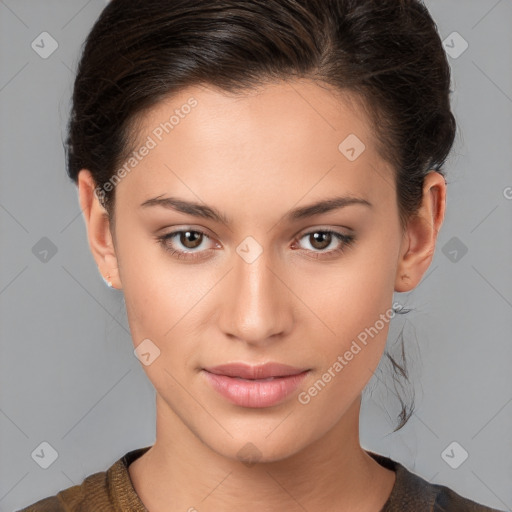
<point x="326" y="243"/>
<point x="186" y="244"/>
<point x="190" y="239"/>
<point x="320" y="239"/>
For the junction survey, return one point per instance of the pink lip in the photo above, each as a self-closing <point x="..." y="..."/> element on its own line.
<point x="244" y="385"/>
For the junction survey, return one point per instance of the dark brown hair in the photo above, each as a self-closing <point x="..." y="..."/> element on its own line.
<point x="386" y="53"/>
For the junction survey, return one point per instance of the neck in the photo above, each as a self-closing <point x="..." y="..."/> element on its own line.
<point x="180" y="472"/>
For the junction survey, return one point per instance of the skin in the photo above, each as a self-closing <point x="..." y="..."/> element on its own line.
<point x="254" y="157"/>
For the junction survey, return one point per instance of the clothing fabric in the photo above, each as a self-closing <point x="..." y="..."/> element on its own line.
<point x="113" y="491"/>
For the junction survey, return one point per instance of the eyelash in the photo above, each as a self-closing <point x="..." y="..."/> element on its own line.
<point x="347" y="241"/>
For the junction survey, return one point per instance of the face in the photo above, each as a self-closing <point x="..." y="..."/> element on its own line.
<point x="267" y="279"/>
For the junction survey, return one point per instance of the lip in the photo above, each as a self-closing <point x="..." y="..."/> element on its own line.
<point x="255" y="386"/>
<point x="262" y="371"/>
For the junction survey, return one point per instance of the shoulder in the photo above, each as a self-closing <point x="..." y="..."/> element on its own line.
<point x="76" y="498"/>
<point x="448" y="500"/>
<point x="104" y="491"/>
<point x="411" y="492"/>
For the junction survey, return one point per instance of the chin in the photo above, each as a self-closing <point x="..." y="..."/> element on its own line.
<point x="259" y="448"/>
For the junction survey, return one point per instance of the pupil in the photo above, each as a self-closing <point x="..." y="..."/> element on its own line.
<point x="194" y="235"/>
<point x="323" y="245"/>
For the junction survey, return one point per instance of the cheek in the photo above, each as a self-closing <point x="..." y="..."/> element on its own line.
<point x="160" y="311"/>
<point x="150" y="301"/>
<point x="353" y="302"/>
<point x="164" y="304"/>
<point x="352" y="293"/>
<point x="360" y="320"/>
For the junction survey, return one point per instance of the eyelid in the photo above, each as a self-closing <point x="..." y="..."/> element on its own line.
<point x="315" y="228"/>
<point x="185" y="227"/>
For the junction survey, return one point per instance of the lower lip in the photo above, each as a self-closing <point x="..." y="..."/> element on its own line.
<point x="255" y="393"/>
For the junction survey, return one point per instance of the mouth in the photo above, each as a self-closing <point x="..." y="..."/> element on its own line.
<point x="255" y="386"/>
<point x="265" y="371"/>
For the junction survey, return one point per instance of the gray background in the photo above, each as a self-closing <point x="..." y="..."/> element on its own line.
<point x="68" y="375"/>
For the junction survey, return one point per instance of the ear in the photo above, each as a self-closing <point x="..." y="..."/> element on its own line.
<point x="420" y="236"/>
<point x="98" y="229"/>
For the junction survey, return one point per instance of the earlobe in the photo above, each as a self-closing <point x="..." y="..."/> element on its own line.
<point x="420" y="236"/>
<point x="97" y="224"/>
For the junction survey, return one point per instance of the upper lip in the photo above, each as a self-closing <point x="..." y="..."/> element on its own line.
<point x="262" y="371"/>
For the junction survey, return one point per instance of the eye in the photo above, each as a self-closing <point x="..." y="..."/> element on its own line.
<point x="182" y="243"/>
<point x="321" y="239"/>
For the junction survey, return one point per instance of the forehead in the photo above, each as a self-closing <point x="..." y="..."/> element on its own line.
<point x="287" y="136"/>
<point x="297" y="109"/>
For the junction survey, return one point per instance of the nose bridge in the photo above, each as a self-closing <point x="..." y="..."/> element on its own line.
<point x="253" y="309"/>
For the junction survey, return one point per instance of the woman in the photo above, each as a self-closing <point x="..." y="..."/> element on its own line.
<point x="258" y="178"/>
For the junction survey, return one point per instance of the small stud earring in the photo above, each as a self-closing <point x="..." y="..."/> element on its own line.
<point x="107" y="280"/>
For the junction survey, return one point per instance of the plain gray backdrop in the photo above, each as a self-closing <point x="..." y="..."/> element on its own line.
<point x="68" y="375"/>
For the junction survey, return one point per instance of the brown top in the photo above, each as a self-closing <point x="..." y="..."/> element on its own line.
<point x="112" y="491"/>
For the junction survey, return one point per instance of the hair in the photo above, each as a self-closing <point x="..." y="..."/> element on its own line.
<point x="386" y="54"/>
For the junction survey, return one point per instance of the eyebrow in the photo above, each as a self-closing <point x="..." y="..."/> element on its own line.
<point x="208" y="212"/>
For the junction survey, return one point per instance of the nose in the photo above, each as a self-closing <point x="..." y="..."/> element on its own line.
<point x="256" y="305"/>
